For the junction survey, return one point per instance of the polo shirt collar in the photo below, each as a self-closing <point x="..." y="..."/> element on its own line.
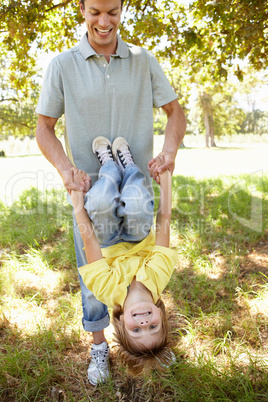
<point x="122" y="49"/>
<point x="87" y="51"/>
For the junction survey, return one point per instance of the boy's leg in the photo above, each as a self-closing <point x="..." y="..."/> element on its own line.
<point x="136" y="205"/>
<point x="102" y="202"/>
<point x="136" y="202"/>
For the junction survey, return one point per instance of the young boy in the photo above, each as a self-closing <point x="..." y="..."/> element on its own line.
<point x="128" y="267"/>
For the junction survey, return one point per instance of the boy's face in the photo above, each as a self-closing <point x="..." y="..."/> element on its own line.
<point x="143" y="323"/>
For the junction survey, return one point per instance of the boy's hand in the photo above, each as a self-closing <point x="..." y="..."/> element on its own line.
<point x="81" y="179"/>
<point x="68" y="181"/>
<point x="162" y="162"/>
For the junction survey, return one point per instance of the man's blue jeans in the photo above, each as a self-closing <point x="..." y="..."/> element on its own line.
<point x="121" y="209"/>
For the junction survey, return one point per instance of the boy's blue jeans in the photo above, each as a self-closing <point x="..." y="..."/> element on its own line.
<point x="121" y="209"/>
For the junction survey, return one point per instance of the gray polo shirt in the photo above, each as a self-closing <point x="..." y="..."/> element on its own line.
<point x="109" y="99"/>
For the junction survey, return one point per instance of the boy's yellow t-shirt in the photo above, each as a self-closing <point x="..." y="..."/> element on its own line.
<point x="109" y="277"/>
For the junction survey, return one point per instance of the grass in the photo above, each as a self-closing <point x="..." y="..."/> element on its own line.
<point x="217" y="300"/>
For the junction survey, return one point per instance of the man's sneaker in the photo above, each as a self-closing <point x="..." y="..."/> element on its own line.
<point x="98" y="369"/>
<point x="102" y="147"/>
<point x="121" y="152"/>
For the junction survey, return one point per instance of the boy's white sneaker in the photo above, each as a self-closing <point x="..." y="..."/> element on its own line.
<point x="102" y="148"/>
<point x="98" y="369"/>
<point x="121" y="152"/>
<point x="171" y="359"/>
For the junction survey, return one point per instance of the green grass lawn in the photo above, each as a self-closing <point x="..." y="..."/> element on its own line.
<point x="217" y="300"/>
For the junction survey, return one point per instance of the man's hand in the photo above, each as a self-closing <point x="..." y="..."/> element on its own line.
<point x="162" y="162"/>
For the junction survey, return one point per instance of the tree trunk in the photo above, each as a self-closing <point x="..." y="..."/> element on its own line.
<point x="205" y="100"/>
<point x="206" y="120"/>
<point x="211" y="131"/>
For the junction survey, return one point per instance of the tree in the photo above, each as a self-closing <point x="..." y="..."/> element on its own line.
<point x="207" y="108"/>
<point x="219" y="112"/>
<point x="204" y="38"/>
<point x="237" y="29"/>
<point x="31" y="25"/>
<point x="212" y="32"/>
<point x="16" y="111"/>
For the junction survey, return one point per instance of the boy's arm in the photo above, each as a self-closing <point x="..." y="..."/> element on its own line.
<point x="164" y="210"/>
<point x="91" y="244"/>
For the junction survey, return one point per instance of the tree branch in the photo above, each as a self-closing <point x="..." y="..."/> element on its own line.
<point x="145" y="6"/>
<point x="9" y="99"/>
<point x="15" y="122"/>
<point x="63" y="4"/>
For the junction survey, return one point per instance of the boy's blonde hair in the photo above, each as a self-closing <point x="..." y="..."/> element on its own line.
<point x="136" y="357"/>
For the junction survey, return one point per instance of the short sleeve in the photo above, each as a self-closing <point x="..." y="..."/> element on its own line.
<point x="101" y="279"/>
<point x="163" y="92"/>
<point x="51" y="100"/>
<point x="157" y="270"/>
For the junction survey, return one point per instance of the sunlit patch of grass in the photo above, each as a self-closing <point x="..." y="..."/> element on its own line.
<point x="24" y="315"/>
<point x="218" y="207"/>
<point x="45" y="215"/>
<point x="28" y="273"/>
<point x="34" y="293"/>
<point x="34" y="363"/>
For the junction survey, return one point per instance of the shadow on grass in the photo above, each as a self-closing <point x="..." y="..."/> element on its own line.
<point x="39" y="366"/>
<point x="33" y="365"/>
<point x="214" y="310"/>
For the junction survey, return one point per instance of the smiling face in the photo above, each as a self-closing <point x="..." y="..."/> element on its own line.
<point x="143" y="323"/>
<point x="102" y="19"/>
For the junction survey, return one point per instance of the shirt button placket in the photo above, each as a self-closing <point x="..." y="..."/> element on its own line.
<point x="108" y="68"/>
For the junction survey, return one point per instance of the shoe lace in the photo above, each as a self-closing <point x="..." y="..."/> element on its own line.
<point x="100" y="357"/>
<point x="125" y="157"/>
<point x="105" y="155"/>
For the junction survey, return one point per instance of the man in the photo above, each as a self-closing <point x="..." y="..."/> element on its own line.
<point x="108" y="88"/>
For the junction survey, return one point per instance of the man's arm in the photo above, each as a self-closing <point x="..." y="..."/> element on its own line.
<point x="52" y="149"/>
<point x="164" y="210"/>
<point x="174" y="133"/>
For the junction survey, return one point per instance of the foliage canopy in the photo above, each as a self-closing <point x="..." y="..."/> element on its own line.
<point x="200" y="38"/>
<point x="208" y="32"/>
